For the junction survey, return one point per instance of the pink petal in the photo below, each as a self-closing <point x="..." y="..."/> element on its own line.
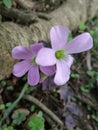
<point x="48" y="70"/>
<point x="35" y="48"/>
<point x="21" y="52"/>
<point x="46" y="57"/>
<point x="58" y="36"/>
<point x="33" y="76"/>
<point x="69" y="60"/>
<point x="79" y="44"/>
<point x="21" y="68"/>
<point x="62" y="73"/>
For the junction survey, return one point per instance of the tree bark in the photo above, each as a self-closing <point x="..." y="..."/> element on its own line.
<point x="69" y="14"/>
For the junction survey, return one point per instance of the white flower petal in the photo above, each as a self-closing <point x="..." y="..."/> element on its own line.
<point x="62" y="73"/>
<point x="58" y="36"/>
<point x="79" y="44"/>
<point x="46" y="57"/>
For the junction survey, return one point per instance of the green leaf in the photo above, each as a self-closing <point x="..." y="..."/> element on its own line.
<point x="74" y="99"/>
<point x="32" y="109"/>
<point x="73" y="75"/>
<point x="8" y="104"/>
<point x="94" y="118"/>
<point x="82" y="26"/>
<point x="3" y="83"/>
<point x="9" y="88"/>
<point x="90" y="73"/>
<point x="36" y="123"/>
<point x="2" y="106"/>
<point x="9" y="128"/>
<point x="83" y="89"/>
<point x="64" y="114"/>
<point x="40" y="113"/>
<point x="7" y="3"/>
<point x="70" y="36"/>
<point x="95" y="35"/>
<point x="18" y="117"/>
<point x="29" y="89"/>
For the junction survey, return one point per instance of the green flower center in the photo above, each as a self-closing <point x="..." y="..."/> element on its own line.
<point x="34" y="60"/>
<point x="60" y="54"/>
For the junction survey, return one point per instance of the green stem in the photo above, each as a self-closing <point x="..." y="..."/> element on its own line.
<point x="9" y="110"/>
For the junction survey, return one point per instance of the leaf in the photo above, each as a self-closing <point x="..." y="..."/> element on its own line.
<point x="90" y="73"/>
<point x="2" y="106"/>
<point x="40" y="114"/>
<point x="9" y="128"/>
<point x="95" y="35"/>
<point x="7" y="3"/>
<point x="70" y="36"/>
<point x="48" y="83"/>
<point x="18" y="117"/>
<point x="82" y="26"/>
<point x="36" y="123"/>
<point x="32" y="109"/>
<point x="73" y="75"/>
<point x="84" y="89"/>
<point x="94" y="118"/>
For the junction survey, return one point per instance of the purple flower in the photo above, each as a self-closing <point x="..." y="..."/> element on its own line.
<point x="59" y="54"/>
<point x="28" y="63"/>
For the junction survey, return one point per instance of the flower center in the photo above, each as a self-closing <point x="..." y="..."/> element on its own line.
<point x="33" y="60"/>
<point x="60" y="54"/>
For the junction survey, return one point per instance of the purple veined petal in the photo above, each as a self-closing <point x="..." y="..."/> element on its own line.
<point x="58" y="36"/>
<point x="62" y="73"/>
<point x="70" y="121"/>
<point x="48" y="83"/>
<point x="45" y="84"/>
<point x="73" y="108"/>
<point x="21" y="68"/>
<point x="33" y="75"/>
<point x="79" y="44"/>
<point x="46" y="57"/>
<point x="21" y="52"/>
<point x="66" y="93"/>
<point x="35" y="48"/>
<point x="69" y="60"/>
<point x="48" y="70"/>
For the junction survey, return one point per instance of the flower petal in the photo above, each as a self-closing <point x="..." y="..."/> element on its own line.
<point x="58" y="36"/>
<point x="46" y="57"/>
<point x="48" y="70"/>
<point x="79" y="44"/>
<point x="21" y="68"/>
<point x="62" y="74"/>
<point x="21" y="52"/>
<point x="35" y="48"/>
<point x="33" y="75"/>
<point x="69" y="60"/>
<point x="48" y="84"/>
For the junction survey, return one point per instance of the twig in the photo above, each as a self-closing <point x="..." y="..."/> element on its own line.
<point x="50" y="121"/>
<point x="9" y="110"/>
<point x="44" y="108"/>
<point x="87" y="101"/>
<point x="88" y="60"/>
<point x="52" y="124"/>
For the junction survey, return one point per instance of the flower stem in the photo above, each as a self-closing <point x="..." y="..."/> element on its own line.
<point x="9" y="110"/>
